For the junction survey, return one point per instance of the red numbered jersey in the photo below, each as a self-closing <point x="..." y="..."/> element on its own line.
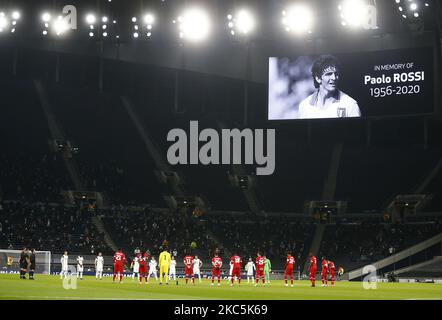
<point x="188" y="261"/>
<point x="142" y="261"/>
<point x="324" y="264"/>
<point x="313" y="262"/>
<point x="236" y="262"/>
<point x="290" y="262"/>
<point x="260" y="262"/>
<point x="119" y="258"/>
<point x="217" y="262"/>
<point x="331" y="265"/>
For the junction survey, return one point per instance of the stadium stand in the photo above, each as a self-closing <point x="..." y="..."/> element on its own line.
<point x="49" y="227"/>
<point x="146" y="228"/>
<point x="107" y="161"/>
<point x="356" y="244"/>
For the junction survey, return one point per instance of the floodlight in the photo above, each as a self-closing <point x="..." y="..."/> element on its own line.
<point x="149" y="19"/>
<point x="353" y="12"/>
<point x="244" y="21"/>
<point x="298" y="19"/>
<point x="60" y="25"/>
<point x="16" y="15"/>
<point x="46" y="17"/>
<point x="3" y="21"/>
<point x="194" y="25"/>
<point x="91" y="19"/>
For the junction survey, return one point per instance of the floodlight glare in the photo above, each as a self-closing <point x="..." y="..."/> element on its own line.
<point x="60" y="25"/>
<point x="3" y="22"/>
<point x="244" y="21"/>
<point x="16" y="15"/>
<point x="90" y="19"/>
<point x="298" y="19"/>
<point x="46" y="17"/>
<point x="149" y="19"/>
<point x="194" y="25"/>
<point x="353" y="12"/>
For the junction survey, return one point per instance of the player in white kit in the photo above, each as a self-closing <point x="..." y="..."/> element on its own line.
<point x="152" y="268"/>
<point x="197" y="264"/>
<point x="80" y="267"/>
<point x="136" y="266"/>
<point x="172" y="269"/>
<point x="64" y="265"/>
<point x="99" y="263"/>
<point x="230" y="272"/>
<point x="250" y="266"/>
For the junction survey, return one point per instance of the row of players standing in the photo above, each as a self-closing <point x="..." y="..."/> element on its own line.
<point x="99" y="266"/>
<point x="192" y="267"/>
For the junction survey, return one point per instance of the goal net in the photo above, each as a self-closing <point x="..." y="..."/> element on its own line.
<point x="9" y="261"/>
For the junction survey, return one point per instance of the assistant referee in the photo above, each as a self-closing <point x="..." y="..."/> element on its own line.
<point x="32" y="264"/>
<point x="23" y="261"/>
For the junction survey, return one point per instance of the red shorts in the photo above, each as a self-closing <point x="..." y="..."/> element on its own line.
<point x="259" y="273"/>
<point x="143" y="269"/>
<point x="236" y="272"/>
<point x="118" y="268"/>
<point x="332" y="274"/>
<point x="288" y="272"/>
<point x="189" y="271"/>
<point x="216" y="272"/>
<point x="324" y="274"/>
<point x="312" y="274"/>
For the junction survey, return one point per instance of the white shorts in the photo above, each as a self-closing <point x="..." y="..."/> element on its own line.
<point x="172" y="271"/>
<point x="152" y="271"/>
<point x="137" y="269"/>
<point x="196" y="271"/>
<point x="80" y="268"/>
<point x="249" y="274"/>
<point x="99" y="269"/>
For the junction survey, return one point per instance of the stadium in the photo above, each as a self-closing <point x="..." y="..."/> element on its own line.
<point x="239" y="150"/>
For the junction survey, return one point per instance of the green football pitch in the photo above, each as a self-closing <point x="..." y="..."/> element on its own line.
<point x="51" y="287"/>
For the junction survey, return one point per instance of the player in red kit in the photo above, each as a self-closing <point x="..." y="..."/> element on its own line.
<point x="119" y="262"/>
<point x="331" y="271"/>
<point x="312" y="268"/>
<point x="260" y="262"/>
<point x="217" y="263"/>
<point x="188" y="267"/>
<point x="324" y="270"/>
<point x="143" y="266"/>
<point x="236" y="261"/>
<point x="289" y="266"/>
